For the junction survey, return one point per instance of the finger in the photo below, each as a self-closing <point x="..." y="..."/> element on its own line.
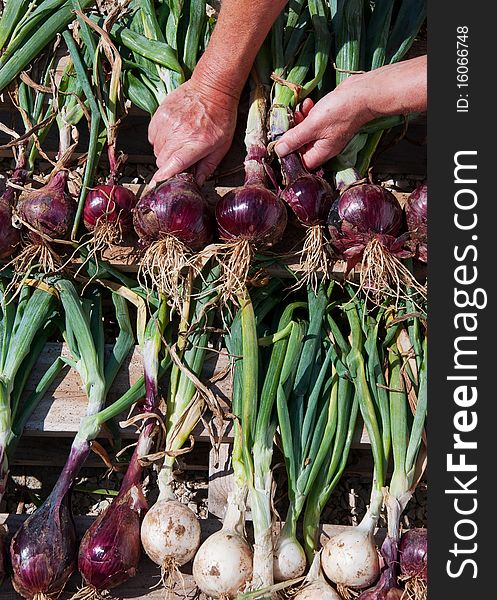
<point x="205" y="167"/>
<point x="298" y="117"/>
<point x="319" y="152"/>
<point x="301" y="134"/>
<point x="172" y="161"/>
<point x="306" y="106"/>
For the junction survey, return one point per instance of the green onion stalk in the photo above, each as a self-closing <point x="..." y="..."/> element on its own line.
<point x="407" y="428"/>
<point x="309" y="196"/>
<point x="172" y="547"/>
<point x="44" y="550"/>
<point x="224" y="564"/>
<point x="306" y="428"/>
<point x="350" y="558"/>
<point x="341" y="425"/>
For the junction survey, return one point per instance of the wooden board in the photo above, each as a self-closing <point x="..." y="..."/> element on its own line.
<point x="144" y="585"/>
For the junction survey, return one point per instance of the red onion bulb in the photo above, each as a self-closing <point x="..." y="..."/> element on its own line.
<point x="109" y="204"/>
<point x="417" y="216"/>
<point x="252" y="213"/>
<point x="310" y="197"/>
<point x="49" y="210"/>
<point x="9" y="235"/>
<point x="174" y="208"/>
<point x="414" y="554"/>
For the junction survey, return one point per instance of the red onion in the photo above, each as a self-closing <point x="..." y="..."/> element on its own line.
<point x="309" y="196"/>
<point x="252" y="213"/>
<point x="109" y="205"/>
<point x="43" y="551"/>
<point x="174" y="208"/>
<point x="365" y="224"/>
<point x="414" y="561"/>
<point x="110" y="550"/>
<point x="417" y="213"/>
<point x="9" y="235"/>
<point x="49" y="210"/>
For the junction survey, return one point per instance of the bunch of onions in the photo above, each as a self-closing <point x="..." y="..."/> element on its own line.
<point x="417" y="216"/>
<point x="413" y="551"/>
<point x="365" y="224"/>
<point x="44" y="550"/>
<point x="309" y="196"/>
<point x="172" y="221"/>
<point x="170" y="532"/>
<point x="110" y="550"/>
<point x="249" y="217"/>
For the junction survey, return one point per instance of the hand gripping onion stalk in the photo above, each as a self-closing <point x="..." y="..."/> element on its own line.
<point x="44" y="550"/>
<point x="170" y="531"/>
<point x="413" y="553"/>
<point x="249" y="217"/>
<point x="417" y="226"/>
<point x="172" y="220"/>
<point x="365" y="224"/>
<point x="110" y="550"/>
<point x="309" y="196"/>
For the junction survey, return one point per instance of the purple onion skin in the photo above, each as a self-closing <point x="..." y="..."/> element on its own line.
<point x="43" y="552"/>
<point x="109" y="204"/>
<point x="386" y="588"/>
<point x="253" y="213"/>
<point x="417" y="216"/>
<point x="364" y="212"/>
<point x="3" y="554"/>
<point x="176" y="207"/>
<point x="309" y="196"/>
<point x="414" y="554"/>
<point x="49" y="210"/>
<point x="110" y="550"/>
<point x="9" y="235"/>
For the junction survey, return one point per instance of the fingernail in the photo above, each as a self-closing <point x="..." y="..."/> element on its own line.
<point x="281" y="149"/>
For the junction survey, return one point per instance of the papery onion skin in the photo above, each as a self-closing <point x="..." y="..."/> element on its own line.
<point x="310" y="197"/>
<point x="10" y="236"/>
<point x="170" y="532"/>
<point x="362" y="213"/>
<point x="414" y="554"/>
<point x="110" y="550"/>
<point x="109" y="204"/>
<point x="43" y="551"/>
<point x="253" y="213"/>
<point x="417" y="221"/>
<point x="49" y="210"/>
<point x="223" y="564"/>
<point x="177" y="208"/>
<point x="317" y="590"/>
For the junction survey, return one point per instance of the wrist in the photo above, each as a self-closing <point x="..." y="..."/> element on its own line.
<point x="216" y="83"/>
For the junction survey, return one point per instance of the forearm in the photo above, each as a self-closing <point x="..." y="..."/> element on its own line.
<point x="239" y="33"/>
<point x="391" y="90"/>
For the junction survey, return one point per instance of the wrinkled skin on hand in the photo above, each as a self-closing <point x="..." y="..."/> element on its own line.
<point x="194" y="125"/>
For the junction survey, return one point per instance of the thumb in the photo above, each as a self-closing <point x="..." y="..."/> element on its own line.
<point x="297" y="137"/>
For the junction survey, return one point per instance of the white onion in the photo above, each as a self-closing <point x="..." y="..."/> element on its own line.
<point x="317" y="590"/>
<point x="170" y="532"/>
<point x="350" y="558"/>
<point x="289" y="559"/>
<point x="223" y="564"/>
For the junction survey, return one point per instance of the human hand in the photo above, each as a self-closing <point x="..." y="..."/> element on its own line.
<point x="324" y="129"/>
<point x="194" y="125"/>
